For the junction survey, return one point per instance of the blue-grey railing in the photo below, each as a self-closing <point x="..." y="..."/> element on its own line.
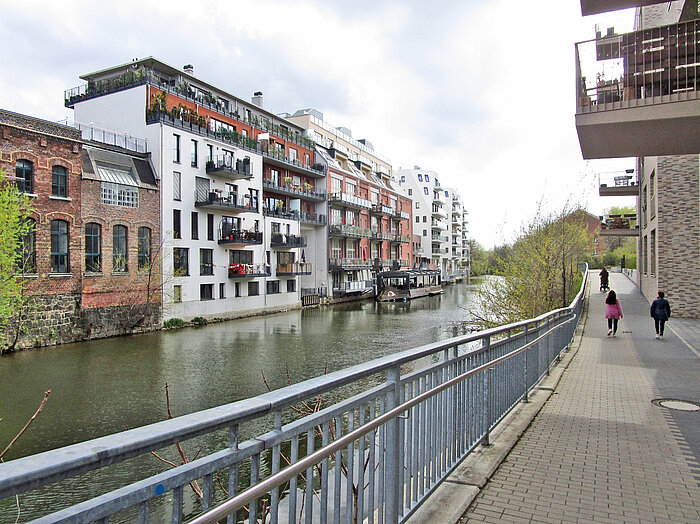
<point x="375" y="455"/>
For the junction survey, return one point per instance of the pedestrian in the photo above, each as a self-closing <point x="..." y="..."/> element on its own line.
<point x="660" y="312"/>
<point x="613" y="312"/>
<point x="603" y="279"/>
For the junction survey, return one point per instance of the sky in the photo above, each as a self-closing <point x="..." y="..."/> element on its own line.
<point x="481" y="92"/>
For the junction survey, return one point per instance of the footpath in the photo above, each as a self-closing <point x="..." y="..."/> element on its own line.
<point x="598" y="442"/>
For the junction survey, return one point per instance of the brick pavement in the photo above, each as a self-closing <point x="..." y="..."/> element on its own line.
<point x="599" y="450"/>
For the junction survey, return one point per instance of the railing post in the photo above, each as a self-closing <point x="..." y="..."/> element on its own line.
<point x="392" y="488"/>
<point x="525" y="392"/>
<point x="486" y="409"/>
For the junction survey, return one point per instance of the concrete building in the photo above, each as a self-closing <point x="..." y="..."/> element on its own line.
<point x="238" y="184"/>
<point x="369" y="217"/>
<point x="638" y="95"/>
<point x="459" y="239"/>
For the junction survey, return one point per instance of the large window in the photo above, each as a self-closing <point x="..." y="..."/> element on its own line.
<point x="253" y="289"/>
<point x="26" y="261"/>
<point x="59" y="181"/>
<point x="93" y="247"/>
<point x="177" y="224"/>
<point x="120" y="195"/>
<point x="273" y="287"/>
<point x="60" y="255"/>
<point x="24" y="171"/>
<point x="206" y="291"/>
<point x="144" y="248"/>
<point x="194" y="223"/>
<point x="193" y="157"/>
<point x="238" y="256"/>
<point x="181" y="264"/>
<point x="206" y="265"/>
<point x="176" y="148"/>
<point x="119" y="249"/>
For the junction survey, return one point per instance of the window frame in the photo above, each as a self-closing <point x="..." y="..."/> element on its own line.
<point x="206" y="262"/>
<point x="120" y="248"/>
<point x="60" y="259"/>
<point x="144" y="249"/>
<point x="59" y="181"/>
<point x="93" y="258"/>
<point x="26" y="173"/>
<point x="181" y="261"/>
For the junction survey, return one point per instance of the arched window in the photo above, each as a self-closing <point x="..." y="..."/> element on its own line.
<point x="59" y="181"/>
<point x="119" y="251"/>
<point x="60" y="255"/>
<point x="26" y="256"/>
<point x="144" y="248"/>
<point x="93" y="247"/>
<point x="24" y="171"/>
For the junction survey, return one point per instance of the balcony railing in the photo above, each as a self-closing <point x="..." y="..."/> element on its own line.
<point x="619" y="225"/>
<point x="349" y="230"/>
<point x="383" y="209"/>
<point x="349" y="263"/>
<point x="349" y="200"/>
<point x="282" y="240"/>
<point x="229" y="202"/>
<point x="353" y="287"/>
<point x="312" y="218"/>
<point x="291" y="190"/>
<point x="405" y="215"/>
<point x="401" y="239"/>
<point x="295" y="268"/>
<point x="280" y="212"/>
<point x="106" y="136"/>
<point x="227" y="166"/>
<point x="248" y="270"/>
<point x="229" y="235"/>
<point x="618" y="185"/>
<point x="382" y="235"/>
<point x="279" y="159"/>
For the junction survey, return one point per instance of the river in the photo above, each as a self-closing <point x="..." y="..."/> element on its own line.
<point x="102" y="386"/>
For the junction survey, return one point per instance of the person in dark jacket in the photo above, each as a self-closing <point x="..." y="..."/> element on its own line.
<point x="660" y="312"/>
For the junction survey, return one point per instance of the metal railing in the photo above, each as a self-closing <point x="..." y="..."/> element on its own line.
<point x="295" y="268"/>
<point x="352" y="286"/>
<point x="399" y="425"/>
<point x="284" y="240"/>
<point x="294" y="190"/>
<point x="106" y="136"/>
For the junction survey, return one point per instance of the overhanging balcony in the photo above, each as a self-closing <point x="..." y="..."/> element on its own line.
<point x="279" y="160"/>
<point x="349" y="201"/>
<point x="619" y="226"/>
<point x="229" y="203"/>
<point x="304" y="192"/>
<point x="349" y="263"/>
<point x="638" y="94"/>
<point x="595" y="7"/>
<point x="280" y="240"/>
<point x="313" y="219"/>
<point x="383" y="209"/>
<point x="618" y="185"/>
<point x="229" y="235"/>
<point x="248" y="270"/>
<point x="293" y="269"/>
<point x="348" y="230"/>
<point x="228" y="167"/>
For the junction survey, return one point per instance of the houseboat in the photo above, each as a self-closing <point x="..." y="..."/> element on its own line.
<point x="406" y="284"/>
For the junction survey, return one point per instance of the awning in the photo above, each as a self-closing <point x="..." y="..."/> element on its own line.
<point x="115" y="175"/>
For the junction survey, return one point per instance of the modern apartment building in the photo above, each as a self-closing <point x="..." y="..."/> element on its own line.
<point x="638" y="95"/>
<point x="432" y="219"/>
<point x="459" y="235"/>
<point x="238" y="186"/>
<point x="369" y="217"/>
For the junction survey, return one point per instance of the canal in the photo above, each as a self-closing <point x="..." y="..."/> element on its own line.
<point x="103" y="386"/>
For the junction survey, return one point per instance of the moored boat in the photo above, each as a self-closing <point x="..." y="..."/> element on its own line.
<point x="407" y="284"/>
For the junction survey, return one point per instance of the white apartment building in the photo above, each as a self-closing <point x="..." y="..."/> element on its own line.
<point x="459" y="240"/>
<point x="236" y="182"/>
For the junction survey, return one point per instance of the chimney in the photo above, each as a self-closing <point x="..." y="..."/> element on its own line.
<point x="257" y="99"/>
<point x="189" y="69"/>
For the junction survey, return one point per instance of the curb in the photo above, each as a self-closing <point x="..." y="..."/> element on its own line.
<point x="451" y="499"/>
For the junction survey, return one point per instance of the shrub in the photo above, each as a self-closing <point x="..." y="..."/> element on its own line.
<point x="199" y="321"/>
<point x="173" y="323"/>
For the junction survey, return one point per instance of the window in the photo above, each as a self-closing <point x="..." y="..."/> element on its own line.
<point x="206" y="291"/>
<point x="59" y="181"/>
<point x="210" y="226"/>
<point x="420" y="177"/>
<point x="24" y="171"/>
<point x="253" y="289"/>
<point x="273" y="287"/>
<point x="210" y="153"/>
<point x="403" y="178"/>
<point x="336" y="185"/>
<point x="417" y="219"/>
<point x="181" y="264"/>
<point x="193" y="156"/>
<point x="427" y="178"/>
<point x="176" y="148"/>
<point x="60" y="256"/>
<point x="177" y="294"/>
<point x="291" y="286"/>
<point x="237" y="289"/>
<point x="417" y="205"/>
<point x="292" y="154"/>
<point x="120" y="195"/>
<point x="425" y="190"/>
<point x="206" y="265"/>
<point x="119" y="251"/>
<point x="177" y="231"/>
<point x="177" y="185"/>
<point x="195" y="225"/>
<point x="652" y="253"/>
<point x="93" y="247"/>
<point x="425" y="232"/>
<point x="26" y="262"/>
<point x="144" y="248"/>
<point x="425" y="218"/>
<point x="410" y="191"/>
<point x="238" y="256"/>
<point x="222" y="290"/>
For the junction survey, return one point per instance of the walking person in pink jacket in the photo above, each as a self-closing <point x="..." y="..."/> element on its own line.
<point x="613" y="312"/>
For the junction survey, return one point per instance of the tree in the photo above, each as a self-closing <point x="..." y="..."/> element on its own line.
<point x="15" y="211"/>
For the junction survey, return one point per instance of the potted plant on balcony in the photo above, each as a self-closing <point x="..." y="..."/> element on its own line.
<point x="287" y="181"/>
<point x="306" y="187"/>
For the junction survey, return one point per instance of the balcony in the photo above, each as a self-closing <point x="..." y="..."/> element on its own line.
<point x="303" y="191"/>
<point x="357" y="286"/>
<point x="456" y="211"/>
<point x="437" y="226"/>
<point x="619" y="185"/>
<point x="229" y="235"/>
<point x="400" y="239"/>
<point x="405" y="215"/>
<point x="313" y="219"/>
<point x="293" y="269"/>
<point x="278" y="159"/>
<point x="439" y="213"/>
<point x="595" y="7"/>
<point x="349" y="201"/>
<point x="287" y="241"/>
<point x="348" y="230"/>
<point x="348" y="263"/>
<point x="619" y="226"/>
<point x="248" y="270"/>
<point x="638" y="94"/>
<point x="228" y="167"/>
<point x="382" y="209"/>
<point x="230" y="202"/>
<point x="438" y="198"/>
<point x="281" y="212"/>
<point x="382" y="235"/>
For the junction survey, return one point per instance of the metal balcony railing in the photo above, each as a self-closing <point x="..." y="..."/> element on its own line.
<point x="297" y="191"/>
<point x="350" y="200"/>
<point x="229" y="235"/>
<point x="312" y="218"/>
<point x="349" y="230"/>
<point x="248" y="270"/>
<point x="354" y="286"/>
<point x="295" y="268"/>
<point x="349" y="263"/>
<point x="282" y="240"/>
<point x="230" y="167"/>
<point x="229" y="201"/>
<point x="410" y="421"/>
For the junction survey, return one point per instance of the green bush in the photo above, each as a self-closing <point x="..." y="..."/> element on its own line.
<point x="173" y="323"/>
<point x="200" y="321"/>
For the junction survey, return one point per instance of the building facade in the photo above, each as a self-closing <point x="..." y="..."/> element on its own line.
<point x="237" y="183"/>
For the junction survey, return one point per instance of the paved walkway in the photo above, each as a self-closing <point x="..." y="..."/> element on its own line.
<point x="599" y="450"/>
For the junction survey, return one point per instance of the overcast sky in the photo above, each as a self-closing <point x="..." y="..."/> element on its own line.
<point x="481" y="92"/>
